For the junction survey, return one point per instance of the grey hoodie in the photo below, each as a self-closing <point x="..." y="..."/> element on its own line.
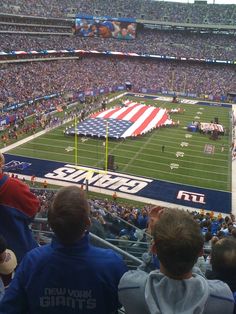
<point x="155" y="293"/>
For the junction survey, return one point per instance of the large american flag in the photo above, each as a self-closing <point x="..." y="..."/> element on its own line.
<point x="120" y="122"/>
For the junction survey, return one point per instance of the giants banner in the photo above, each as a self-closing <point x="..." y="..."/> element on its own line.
<point x="179" y="194"/>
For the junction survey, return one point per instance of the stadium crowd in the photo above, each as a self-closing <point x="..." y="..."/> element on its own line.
<point x="153" y="10"/>
<point x="42" y="114"/>
<point x="70" y="216"/>
<point x="43" y="78"/>
<point x="32" y="28"/>
<point x="211" y="224"/>
<point x="169" y="43"/>
<point x="106" y="211"/>
<point x="191" y="254"/>
<point x="187" y="235"/>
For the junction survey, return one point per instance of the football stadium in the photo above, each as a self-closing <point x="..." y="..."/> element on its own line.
<point x="117" y="153"/>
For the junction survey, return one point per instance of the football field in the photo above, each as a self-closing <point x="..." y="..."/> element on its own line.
<point x="188" y="158"/>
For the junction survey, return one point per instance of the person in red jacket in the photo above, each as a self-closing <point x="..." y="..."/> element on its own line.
<point x="18" y="206"/>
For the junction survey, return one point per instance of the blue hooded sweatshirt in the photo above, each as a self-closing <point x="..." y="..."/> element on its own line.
<point x="54" y="279"/>
<point x="155" y="293"/>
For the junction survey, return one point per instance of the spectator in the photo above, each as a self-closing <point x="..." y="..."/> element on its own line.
<point x="149" y="259"/>
<point x="68" y="275"/>
<point x="18" y="206"/>
<point x="32" y="179"/>
<point x="142" y="219"/>
<point x="210" y="79"/>
<point x="175" y="288"/>
<point x="8" y="263"/>
<point x="114" y="196"/>
<point x="45" y="184"/>
<point x="154" y="216"/>
<point x="207" y="243"/>
<point x="223" y="261"/>
<point x="151" y="10"/>
<point x="233" y="233"/>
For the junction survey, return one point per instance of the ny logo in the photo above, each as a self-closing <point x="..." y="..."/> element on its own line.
<point x="191" y="197"/>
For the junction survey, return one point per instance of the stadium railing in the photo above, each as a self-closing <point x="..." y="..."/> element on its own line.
<point x="128" y="224"/>
<point x="135" y="248"/>
<point x="45" y="237"/>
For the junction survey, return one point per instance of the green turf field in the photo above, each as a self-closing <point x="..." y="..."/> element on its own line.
<point x="143" y="156"/>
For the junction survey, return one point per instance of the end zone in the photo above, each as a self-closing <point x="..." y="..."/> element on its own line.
<point x="127" y="186"/>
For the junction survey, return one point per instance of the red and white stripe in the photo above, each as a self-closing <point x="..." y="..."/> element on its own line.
<point x="149" y="119"/>
<point x="144" y="117"/>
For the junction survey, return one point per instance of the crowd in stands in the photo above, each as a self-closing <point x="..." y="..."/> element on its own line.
<point x="108" y="212"/>
<point x="31" y="28"/>
<point x="108" y="217"/>
<point x="43" y="78"/>
<point x="86" y="277"/>
<point x="169" y="43"/>
<point x="108" y="221"/>
<point x="17" y="125"/>
<point x="153" y="10"/>
<point x="178" y="242"/>
<point x="41" y="113"/>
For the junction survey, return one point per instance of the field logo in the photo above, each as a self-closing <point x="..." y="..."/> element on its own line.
<point x="174" y="166"/>
<point x="209" y="149"/>
<point x="191" y="197"/>
<point x="179" y="154"/>
<point x="16" y="165"/>
<point x="110" y="180"/>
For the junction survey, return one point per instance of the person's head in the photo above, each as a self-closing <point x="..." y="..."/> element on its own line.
<point x="220" y="234"/>
<point x="153" y="217"/>
<point x="2" y="161"/>
<point x="214" y="240"/>
<point x="8" y="260"/>
<point x="208" y="236"/>
<point x="124" y="32"/>
<point x="233" y="233"/>
<point x="227" y="219"/>
<point x="178" y="242"/>
<point x="223" y="258"/>
<point x="68" y="215"/>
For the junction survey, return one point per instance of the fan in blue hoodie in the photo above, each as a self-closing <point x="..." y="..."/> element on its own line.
<point x="69" y="275"/>
<point x="176" y="288"/>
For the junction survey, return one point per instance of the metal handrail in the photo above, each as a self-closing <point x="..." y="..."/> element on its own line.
<point x="126" y="222"/>
<point x="100" y="241"/>
<point x="112" y="214"/>
<point x="126" y="241"/>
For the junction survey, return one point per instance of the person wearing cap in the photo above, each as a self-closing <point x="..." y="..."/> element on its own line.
<point x="69" y="275"/>
<point x="18" y="206"/>
<point x="8" y="264"/>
